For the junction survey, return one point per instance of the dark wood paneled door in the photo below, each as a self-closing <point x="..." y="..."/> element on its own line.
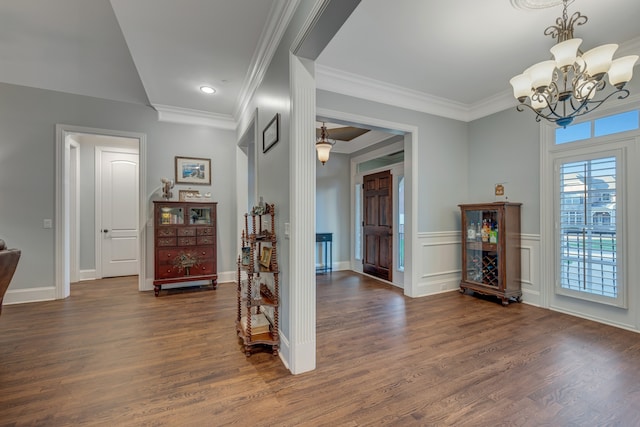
<point x="378" y="225"/>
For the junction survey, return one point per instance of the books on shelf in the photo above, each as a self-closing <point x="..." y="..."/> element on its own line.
<point x="259" y="324"/>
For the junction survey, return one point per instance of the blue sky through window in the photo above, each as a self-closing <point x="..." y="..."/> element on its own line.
<point x="616" y="123"/>
<point x="573" y="133"/>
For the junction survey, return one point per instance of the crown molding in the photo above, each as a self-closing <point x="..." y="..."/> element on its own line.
<point x="338" y="81"/>
<point x="277" y="22"/>
<point x="167" y="113"/>
<point x="351" y="84"/>
<point x="493" y="104"/>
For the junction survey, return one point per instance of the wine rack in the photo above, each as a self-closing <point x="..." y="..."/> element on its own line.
<point x="490" y="269"/>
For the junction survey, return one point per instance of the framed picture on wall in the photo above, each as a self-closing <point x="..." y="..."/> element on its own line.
<point x="271" y="133"/>
<point x="193" y="170"/>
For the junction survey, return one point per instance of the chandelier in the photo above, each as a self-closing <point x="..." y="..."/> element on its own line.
<point x="324" y="144"/>
<point x="566" y="87"/>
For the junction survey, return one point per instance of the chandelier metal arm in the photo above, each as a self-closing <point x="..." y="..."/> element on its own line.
<point x="587" y="106"/>
<point x="563" y="30"/>
<point x="538" y="115"/>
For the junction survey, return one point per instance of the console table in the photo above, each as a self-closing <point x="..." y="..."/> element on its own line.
<point x="326" y="240"/>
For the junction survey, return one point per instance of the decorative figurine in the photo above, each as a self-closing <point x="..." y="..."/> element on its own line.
<point x="167" y="185"/>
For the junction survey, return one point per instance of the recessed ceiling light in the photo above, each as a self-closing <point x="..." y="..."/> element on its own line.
<point x="207" y="89"/>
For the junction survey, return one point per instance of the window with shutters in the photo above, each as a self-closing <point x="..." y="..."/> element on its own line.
<point x="589" y="202"/>
<point x="588" y="230"/>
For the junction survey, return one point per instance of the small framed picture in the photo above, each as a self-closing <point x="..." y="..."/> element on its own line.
<point x="193" y="170"/>
<point x="500" y="194"/>
<point x="265" y="257"/>
<point x="183" y="195"/>
<point x="271" y="133"/>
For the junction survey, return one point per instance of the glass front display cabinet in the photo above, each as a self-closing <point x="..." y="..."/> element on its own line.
<point x="491" y="250"/>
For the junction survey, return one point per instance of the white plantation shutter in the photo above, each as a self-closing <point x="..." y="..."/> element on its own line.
<point x="586" y="216"/>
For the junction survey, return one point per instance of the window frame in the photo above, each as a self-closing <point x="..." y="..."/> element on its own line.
<point x="592" y="127"/>
<point x="586" y="151"/>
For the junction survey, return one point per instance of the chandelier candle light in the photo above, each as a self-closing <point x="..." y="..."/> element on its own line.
<point x="561" y="89"/>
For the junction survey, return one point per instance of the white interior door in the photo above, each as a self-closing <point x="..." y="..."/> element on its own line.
<point x="117" y="210"/>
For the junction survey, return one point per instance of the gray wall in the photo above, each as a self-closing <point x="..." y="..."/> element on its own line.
<point x="333" y="203"/>
<point x="27" y="161"/>
<point x="505" y="147"/>
<point x="442" y="157"/>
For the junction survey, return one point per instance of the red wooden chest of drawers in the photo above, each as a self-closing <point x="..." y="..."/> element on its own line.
<point x="184" y="243"/>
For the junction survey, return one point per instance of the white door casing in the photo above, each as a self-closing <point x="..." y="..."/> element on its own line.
<point x="62" y="206"/>
<point x="74" y="208"/>
<point x="116" y="212"/>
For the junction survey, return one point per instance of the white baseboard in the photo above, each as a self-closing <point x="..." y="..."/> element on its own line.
<point x="227" y="276"/>
<point x="87" y="275"/>
<point x="337" y="266"/>
<point x="597" y="319"/>
<point x="21" y="296"/>
<point x="434" y="287"/>
<point x="531" y="297"/>
<point x="285" y="350"/>
<point x="342" y="265"/>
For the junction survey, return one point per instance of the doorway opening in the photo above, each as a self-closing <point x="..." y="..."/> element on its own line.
<point x="76" y="234"/>
<point x="389" y="160"/>
<point x="375" y="148"/>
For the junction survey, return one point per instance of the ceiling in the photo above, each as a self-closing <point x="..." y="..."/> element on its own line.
<point x="450" y="58"/>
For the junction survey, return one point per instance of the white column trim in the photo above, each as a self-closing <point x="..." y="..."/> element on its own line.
<point x="302" y="161"/>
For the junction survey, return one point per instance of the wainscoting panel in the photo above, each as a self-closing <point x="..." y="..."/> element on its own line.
<point x="439" y="262"/>
<point x="530" y="265"/>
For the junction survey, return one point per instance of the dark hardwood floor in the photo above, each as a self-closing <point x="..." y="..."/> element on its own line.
<point x="112" y="356"/>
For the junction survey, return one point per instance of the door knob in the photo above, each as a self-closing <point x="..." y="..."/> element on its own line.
<point x="105" y="231"/>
